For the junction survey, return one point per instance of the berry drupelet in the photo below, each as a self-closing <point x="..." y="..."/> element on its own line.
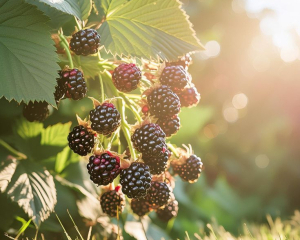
<point x="126" y="77"/>
<point x="170" y="125"/>
<point x="168" y="212"/>
<point x="36" y="111"/>
<point x="157" y="165"/>
<point x="175" y="77"/>
<point x="158" y="195"/>
<point x="81" y="141"/>
<point x="104" y="168"/>
<point x="140" y="207"/>
<point x="112" y="202"/>
<point x="189" y="97"/>
<point x="105" y="118"/>
<point x="85" y="42"/>
<point x="184" y="61"/>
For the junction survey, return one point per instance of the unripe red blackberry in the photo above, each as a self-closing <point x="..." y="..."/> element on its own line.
<point x="105" y="118"/>
<point x="170" y="125"/>
<point x="158" y="195"/>
<point x="175" y="77"/>
<point x="85" y="42"/>
<point x="104" y="168"/>
<point x="163" y="102"/>
<point x="126" y="77"/>
<point x="81" y="141"/>
<point x="157" y="165"/>
<point x="135" y="180"/>
<point x="36" y="111"/>
<point x="184" y="61"/>
<point x="140" y="207"/>
<point x="168" y="212"/>
<point x="190" y="170"/>
<point x="112" y="202"/>
<point x="74" y="83"/>
<point x="149" y="139"/>
<point x="189" y="97"/>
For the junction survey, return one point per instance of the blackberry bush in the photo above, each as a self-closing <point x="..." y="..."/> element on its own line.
<point x="36" y="111"/>
<point x="85" y="42"/>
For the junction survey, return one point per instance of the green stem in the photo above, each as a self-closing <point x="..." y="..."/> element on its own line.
<point x="77" y="24"/>
<point x="132" y="108"/>
<point x="12" y="150"/>
<point x="64" y="44"/>
<point x="102" y="89"/>
<point x="134" y="96"/>
<point x="173" y="149"/>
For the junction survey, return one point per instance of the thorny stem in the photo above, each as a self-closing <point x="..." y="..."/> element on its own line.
<point x="173" y="149"/>
<point x="64" y="44"/>
<point x="12" y="150"/>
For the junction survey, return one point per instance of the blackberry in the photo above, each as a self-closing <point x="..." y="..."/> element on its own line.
<point x="168" y="212"/>
<point x="72" y="83"/>
<point x="189" y="171"/>
<point x="104" y="168"/>
<point x="149" y="139"/>
<point x="112" y="202"/>
<point x="169" y="125"/>
<point x="36" y="111"/>
<point x="85" y="42"/>
<point x="158" y="195"/>
<point x="81" y="141"/>
<point x="184" y="61"/>
<point x="175" y="77"/>
<point x="60" y="91"/>
<point x="135" y="180"/>
<point x="157" y="165"/>
<point x="189" y="97"/>
<point x="139" y="207"/>
<point x="163" y="102"/>
<point x="105" y="118"/>
<point x="126" y="77"/>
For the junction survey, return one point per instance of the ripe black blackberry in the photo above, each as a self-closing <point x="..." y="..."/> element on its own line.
<point x="126" y="77"/>
<point x="189" y="97"/>
<point x="105" y="118"/>
<point x="168" y="212"/>
<point x="81" y="141"/>
<point x="190" y="170"/>
<point x="140" y="207"/>
<point x="169" y="125"/>
<point x="60" y="91"/>
<point x="163" y="102"/>
<point x="104" y="168"/>
<point x="85" y="42"/>
<point x="184" y="61"/>
<point x="135" y="180"/>
<point x="112" y="202"/>
<point x="157" y="165"/>
<point x="73" y="83"/>
<point x="158" y="195"/>
<point x="36" y="111"/>
<point x="175" y="77"/>
<point x="149" y="139"/>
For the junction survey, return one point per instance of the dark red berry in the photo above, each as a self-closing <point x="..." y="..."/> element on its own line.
<point x="81" y="141"/>
<point x="104" y="168"/>
<point x="36" y="111"/>
<point x="168" y="212"/>
<point x="184" y="61"/>
<point x="112" y="202"/>
<point x="126" y="77"/>
<point x="105" y="118"/>
<point x="140" y="207"/>
<point x="158" y="195"/>
<point x="85" y="42"/>
<point x="175" y="77"/>
<point x="189" y="97"/>
<point x="170" y="125"/>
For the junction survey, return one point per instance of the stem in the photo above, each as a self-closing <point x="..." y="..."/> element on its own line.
<point x="12" y="150"/>
<point x="132" y="108"/>
<point x="134" y="96"/>
<point x="102" y="89"/>
<point x="64" y="44"/>
<point x="112" y="139"/>
<point x="173" y="149"/>
<point x="77" y="24"/>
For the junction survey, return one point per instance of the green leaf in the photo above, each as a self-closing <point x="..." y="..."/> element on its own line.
<point x="33" y="188"/>
<point x="70" y="7"/>
<point x="64" y="158"/>
<point x="56" y="135"/>
<point x="28" y="60"/>
<point x="7" y="170"/>
<point x="85" y="8"/>
<point x="147" y="29"/>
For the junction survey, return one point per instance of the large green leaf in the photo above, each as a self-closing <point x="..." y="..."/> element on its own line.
<point x="147" y="29"/>
<point x="56" y="135"/>
<point x="28" y="60"/>
<point x="33" y="188"/>
<point x="85" y="8"/>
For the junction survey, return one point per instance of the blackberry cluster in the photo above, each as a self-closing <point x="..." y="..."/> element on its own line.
<point x="184" y="61"/>
<point x="105" y="118"/>
<point x="36" y="111"/>
<point x="81" y="141"/>
<point x="174" y="76"/>
<point x="170" y="125"/>
<point x="163" y="102"/>
<point x="157" y="165"/>
<point x="168" y="212"/>
<point x="112" y="202"/>
<point x="158" y="195"/>
<point x="126" y="77"/>
<point x="140" y="207"/>
<point x="135" y="180"/>
<point x="104" y="168"/>
<point x="189" y="171"/>
<point x="189" y="97"/>
<point x="85" y="42"/>
<point x="149" y="139"/>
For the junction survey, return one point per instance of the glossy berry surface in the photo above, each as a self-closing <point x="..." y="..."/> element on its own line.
<point x="157" y="165"/>
<point x="168" y="212"/>
<point x="175" y="77"/>
<point x="85" y="42"/>
<point x="36" y="111"/>
<point x="112" y="202"/>
<point x="169" y="125"/>
<point x="81" y="141"/>
<point x="158" y="195"/>
<point x="189" y="97"/>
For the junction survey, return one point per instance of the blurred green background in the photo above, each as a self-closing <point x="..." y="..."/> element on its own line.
<point x="246" y="127"/>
